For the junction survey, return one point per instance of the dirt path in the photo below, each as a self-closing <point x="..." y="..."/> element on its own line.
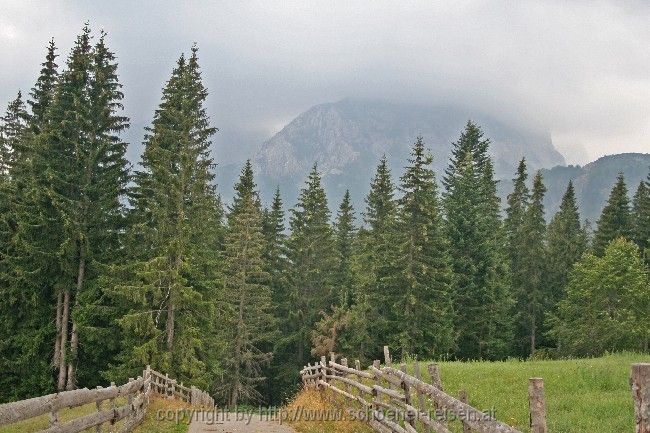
<point x="227" y="423"/>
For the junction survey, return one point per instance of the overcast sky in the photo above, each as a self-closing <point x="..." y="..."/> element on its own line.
<point x="579" y="69"/>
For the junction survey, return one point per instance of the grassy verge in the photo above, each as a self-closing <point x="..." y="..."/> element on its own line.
<point x="582" y="395"/>
<point x="42" y="422"/>
<point x="150" y="425"/>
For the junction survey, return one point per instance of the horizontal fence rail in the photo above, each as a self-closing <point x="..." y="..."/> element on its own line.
<point x="425" y="407"/>
<point x="136" y="392"/>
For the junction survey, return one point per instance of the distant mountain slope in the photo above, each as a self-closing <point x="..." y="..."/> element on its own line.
<point x="594" y="181"/>
<point x="348" y="137"/>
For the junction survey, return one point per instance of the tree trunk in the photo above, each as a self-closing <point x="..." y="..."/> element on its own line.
<point x="74" y="339"/>
<point x="65" y="317"/>
<point x="533" y="332"/>
<point x="170" y="323"/>
<point x="56" y="359"/>
<point x="72" y="364"/>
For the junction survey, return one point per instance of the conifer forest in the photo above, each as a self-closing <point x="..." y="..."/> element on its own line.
<point x="108" y="265"/>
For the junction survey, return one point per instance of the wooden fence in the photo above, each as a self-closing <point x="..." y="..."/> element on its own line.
<point x="396" y="401"/>
<point x="133" y="398"/>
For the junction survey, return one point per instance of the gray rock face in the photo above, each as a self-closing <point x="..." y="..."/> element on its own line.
<point x="347" y="138"/>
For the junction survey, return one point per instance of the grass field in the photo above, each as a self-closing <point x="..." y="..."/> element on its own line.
<point x="585" y="395"/>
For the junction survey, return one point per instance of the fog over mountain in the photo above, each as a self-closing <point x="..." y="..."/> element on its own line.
<point x="347" y="138"/>
<point x="578" y="70"/>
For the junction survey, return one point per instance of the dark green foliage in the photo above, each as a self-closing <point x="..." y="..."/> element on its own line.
<point x="481" y="294"/>
<point x="372" y="265"/>
<point x="641" y="218"/>
<point x="345" y="234"/>
<point x="311" y="251"/>
<point x="615" y="219"/>
<point x="43" y="92"/>
<point x="532" y="294"/>
<point x="247" y="323"/>
<point x="174" y="238"/>
<point x="566" y="241"/>
<point x="25" y="330"/>
<point x="421" y="314"/>
<point x="607" y="305"/>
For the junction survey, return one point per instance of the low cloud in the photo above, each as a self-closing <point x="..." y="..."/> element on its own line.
<point x="577" y="69"/>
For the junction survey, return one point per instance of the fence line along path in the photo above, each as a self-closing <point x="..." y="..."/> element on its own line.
<point x="136" y="392"/>
<point x="399" y="402"/>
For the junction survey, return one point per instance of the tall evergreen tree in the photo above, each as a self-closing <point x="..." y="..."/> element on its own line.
<point x="13" y="133"/>
<point x="275" y="253"/>
<point x="42" y="93"/>
<point x="171" y="286"/>
<point x="566" y="243"/>
<point x="615" y="219"/>
<point x="518" y="201"/>
<point x="532" y="295"/>
<point x="248" y="324"/>
<point x="24" y="312"/>
<point x="87" y="173"/>
<point x="31" y="263"/>
<point x="281" y="373"/>
<point x="371" y="265"/>
<point x="481" y="293"/>
<point x="311" y="250"/>
<point x="421" y="315"/>
<point x="345" y="233"/>
<point x="641" y="218"/>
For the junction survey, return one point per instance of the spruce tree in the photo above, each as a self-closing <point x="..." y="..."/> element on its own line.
<point x="87" y="173"/>
<point x="615" y="219"/>
<point x="31" y="264"/>
<point x="532" y="295"/>
<point x="641" y="218"/>
<point x="518" y="202"/>
<point x="275" y="253"/>
<point x="171" y="284"/>
<point x="567" y="242"/>
<point x="24" y="312"/>
<point x="42" y="93"/>
<point x="481" y="294"/>
<point x="311" y="251"/>
<point x="345" y="234"/>
<point x="371" y="264"/>
<point x="421" y="311"/>
<point x="248" y="323"/>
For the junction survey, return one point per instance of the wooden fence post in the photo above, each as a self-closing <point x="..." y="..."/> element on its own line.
<point x="113" y="406"/>
<point x="434" y="372"/>
<point x="344" y="363"/>
<point x="323" y="368"/>
<point x="387" y="359"/>
<point x="537" y="405"/>
<point x="410" y="416"/>
<point x="98" y="406"/>
<point x="422" y="407"/>
<point x="462" y="396"/>
<point x="640" y="383"/>
<point x="54" y="414"/>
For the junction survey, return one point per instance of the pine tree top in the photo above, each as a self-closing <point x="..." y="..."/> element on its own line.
<point x="615" y="218"/>
<point x="380" y="202"/>
<point x="42" y="92"/>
